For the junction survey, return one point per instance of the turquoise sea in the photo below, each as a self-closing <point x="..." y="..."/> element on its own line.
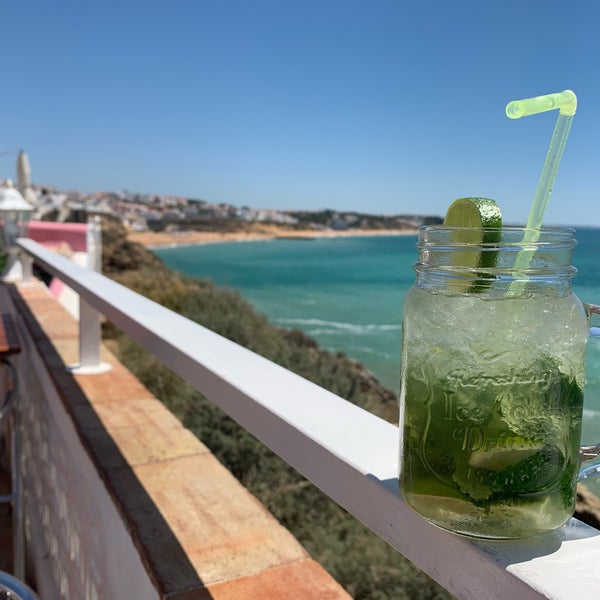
<point x="347" y="293"/>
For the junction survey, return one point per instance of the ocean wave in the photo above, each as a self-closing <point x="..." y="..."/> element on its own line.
<point x="320" y="326"/>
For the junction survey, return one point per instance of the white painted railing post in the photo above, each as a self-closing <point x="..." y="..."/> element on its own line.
<point x="94" y="244"/>
<point x="27" y="266"/>
<point x="90" y="328"/>
<point x="90" y="339"/>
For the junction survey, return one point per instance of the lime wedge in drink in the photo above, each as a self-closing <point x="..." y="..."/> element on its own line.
<point x="498" y="459"/>
<point x="474" y="212"/>
<point x="478" y="222"/>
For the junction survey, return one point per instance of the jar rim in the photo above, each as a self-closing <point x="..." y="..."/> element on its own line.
<point x="472" y="258"/>
<point x="516" y="228"/>
<point x="517" y="237"/>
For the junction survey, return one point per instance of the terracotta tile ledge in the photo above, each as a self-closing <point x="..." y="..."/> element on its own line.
<point x="199" y="532"/>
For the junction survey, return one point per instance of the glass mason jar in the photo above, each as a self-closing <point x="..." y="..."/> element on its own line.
<point x="493" y="368"/>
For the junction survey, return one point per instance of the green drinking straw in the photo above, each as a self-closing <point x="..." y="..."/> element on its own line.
<point x="566" y="102"/>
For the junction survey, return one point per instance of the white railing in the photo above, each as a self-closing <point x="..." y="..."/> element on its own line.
<point x="349" y="453"/>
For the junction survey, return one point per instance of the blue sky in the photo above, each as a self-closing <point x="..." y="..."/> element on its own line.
<point x="380" y="106"/>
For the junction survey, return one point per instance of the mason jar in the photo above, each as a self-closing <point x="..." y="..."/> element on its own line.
<point x="492" y="377"/>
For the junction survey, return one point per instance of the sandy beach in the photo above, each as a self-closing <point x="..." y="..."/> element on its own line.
<point x="152" y="239"/>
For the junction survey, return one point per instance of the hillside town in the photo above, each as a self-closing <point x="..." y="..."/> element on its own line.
<point x="155" y="212"/>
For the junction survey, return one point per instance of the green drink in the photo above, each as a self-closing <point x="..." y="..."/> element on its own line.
<point x="492" y="384"/>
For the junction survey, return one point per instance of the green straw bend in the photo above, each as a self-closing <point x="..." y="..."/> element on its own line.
<point x="565" y="101"/>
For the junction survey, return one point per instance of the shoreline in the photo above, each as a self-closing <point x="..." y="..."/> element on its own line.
<point x="153" y="239"/>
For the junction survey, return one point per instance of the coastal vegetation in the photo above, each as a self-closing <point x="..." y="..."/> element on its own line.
<point x="365" y="565"/>
<point x="353" y="220"/>
<point x="246" y="221"/>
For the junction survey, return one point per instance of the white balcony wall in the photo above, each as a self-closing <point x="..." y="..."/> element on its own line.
<point x="350" y="454"/>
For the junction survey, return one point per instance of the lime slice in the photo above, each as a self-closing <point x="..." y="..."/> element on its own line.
<point x="498" y="459"/>
<point x="479" y="220"/>
<point x="474" y="212"/>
